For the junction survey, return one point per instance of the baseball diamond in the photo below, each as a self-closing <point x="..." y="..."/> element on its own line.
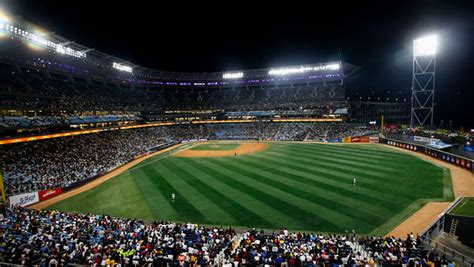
<point x="302" y="186"/>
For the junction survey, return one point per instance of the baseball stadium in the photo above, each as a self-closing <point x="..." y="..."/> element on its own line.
<point x="105" y="162"/>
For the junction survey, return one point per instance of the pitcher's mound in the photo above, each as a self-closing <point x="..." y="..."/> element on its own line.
<point x="240" y="150"/>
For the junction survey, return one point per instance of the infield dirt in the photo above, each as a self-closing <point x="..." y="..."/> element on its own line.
<point x="240" y="150"/>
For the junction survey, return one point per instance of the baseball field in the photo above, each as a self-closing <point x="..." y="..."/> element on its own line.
<point x="301" y="186"/>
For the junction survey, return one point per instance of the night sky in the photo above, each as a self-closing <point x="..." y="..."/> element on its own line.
<point x="232" y="35"/>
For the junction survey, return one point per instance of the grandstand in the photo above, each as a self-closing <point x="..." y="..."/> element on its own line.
<point x="235" y="168"/>
<point x="40" y="84"/>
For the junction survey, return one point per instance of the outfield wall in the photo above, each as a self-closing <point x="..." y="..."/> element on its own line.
<point x="459" y="161"/>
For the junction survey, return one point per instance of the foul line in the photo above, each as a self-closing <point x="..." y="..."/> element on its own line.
<point x="181" y="148"/>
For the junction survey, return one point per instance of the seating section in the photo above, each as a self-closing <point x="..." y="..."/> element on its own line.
<point x="25" y="88"/>
<point x="51" y="238"/>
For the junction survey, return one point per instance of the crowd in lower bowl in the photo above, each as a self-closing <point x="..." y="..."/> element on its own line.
<point x="54" y="238"/>
<point x="283" y="248"/>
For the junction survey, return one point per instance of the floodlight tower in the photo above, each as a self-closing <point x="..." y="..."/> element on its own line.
<point x="423" y="80"/>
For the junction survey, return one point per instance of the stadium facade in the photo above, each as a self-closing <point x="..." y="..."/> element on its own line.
<point x="47" y="75"/>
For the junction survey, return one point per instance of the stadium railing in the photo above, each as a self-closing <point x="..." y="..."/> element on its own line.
<point x="449" y="252"/>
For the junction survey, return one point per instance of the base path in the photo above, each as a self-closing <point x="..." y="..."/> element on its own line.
<point x="240" y="150"/>
<point x="98" y="181"/>
<point x="463" y="185"/>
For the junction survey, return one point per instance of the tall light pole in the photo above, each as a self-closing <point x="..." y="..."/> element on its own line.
<point x="423" y="80"/>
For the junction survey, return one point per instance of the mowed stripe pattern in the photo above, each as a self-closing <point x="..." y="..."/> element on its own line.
<point x="294" y="185"/>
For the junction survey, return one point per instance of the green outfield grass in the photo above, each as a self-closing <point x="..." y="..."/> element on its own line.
<point x="294" y="185"/>
<point x="464" y="208"/>
<point x="215" y="146"/>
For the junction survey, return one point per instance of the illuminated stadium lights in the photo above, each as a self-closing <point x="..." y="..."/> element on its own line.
<point x="4" y="24"/>
<point x="4" y="19"/>
<point x="37" y="40"/>
<point x="423" y="80"/>
<point x="233" y="75"/>
<point x="121" y="67"/>
<point x="286" y="71"/>
<point x="425" y="46"/>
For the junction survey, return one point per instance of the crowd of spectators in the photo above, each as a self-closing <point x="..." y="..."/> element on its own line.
<point x="38" y="121"/>
<point x="60" y="162"/>
<point x="333" y="131"/>
<point x="53" y="238"/>
<point x="399" y="252"/>
<point x="283" y="248"/>
<point x="33" y="89"/>
<point x="294" y="249"/>
<point x="269" y="131"/>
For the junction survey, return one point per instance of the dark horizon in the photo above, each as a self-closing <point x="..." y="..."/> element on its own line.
<point x="201" y="38"/>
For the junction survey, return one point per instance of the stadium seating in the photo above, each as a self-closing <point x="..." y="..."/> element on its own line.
<point x="50" y="238"/>
<point x="29" y="88"/>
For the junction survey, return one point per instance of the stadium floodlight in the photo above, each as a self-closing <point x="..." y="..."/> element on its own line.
<point x="423" y="80"/>
<point x="4" y="18"/>
<point x="4" y="24"/>
<point x="39" y="39"/>
<point x="303" y="69"/>
<point x="36" y="39"/>
<point x="425" y="46"/>
<point x="121" y="67"/>
<point x="233" y="75"/>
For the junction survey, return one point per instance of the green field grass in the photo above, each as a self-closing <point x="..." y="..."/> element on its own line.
<point x="215" y="146"/>
<point x="294" y="185"/>
<point x="464" y="208"/>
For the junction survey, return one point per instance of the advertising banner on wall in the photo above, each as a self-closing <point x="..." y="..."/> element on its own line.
<point x="373" y="139"/>
<point x="469" y="148"/>
<point x="355" y="139"/>
<point x="46" y="194"/>
<point x="360" y="139"/>
<point x="439" y="154"/>
<point x="346" y="139"/>
<point x="24" y="199"/>
<point x="423" y="139"/>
